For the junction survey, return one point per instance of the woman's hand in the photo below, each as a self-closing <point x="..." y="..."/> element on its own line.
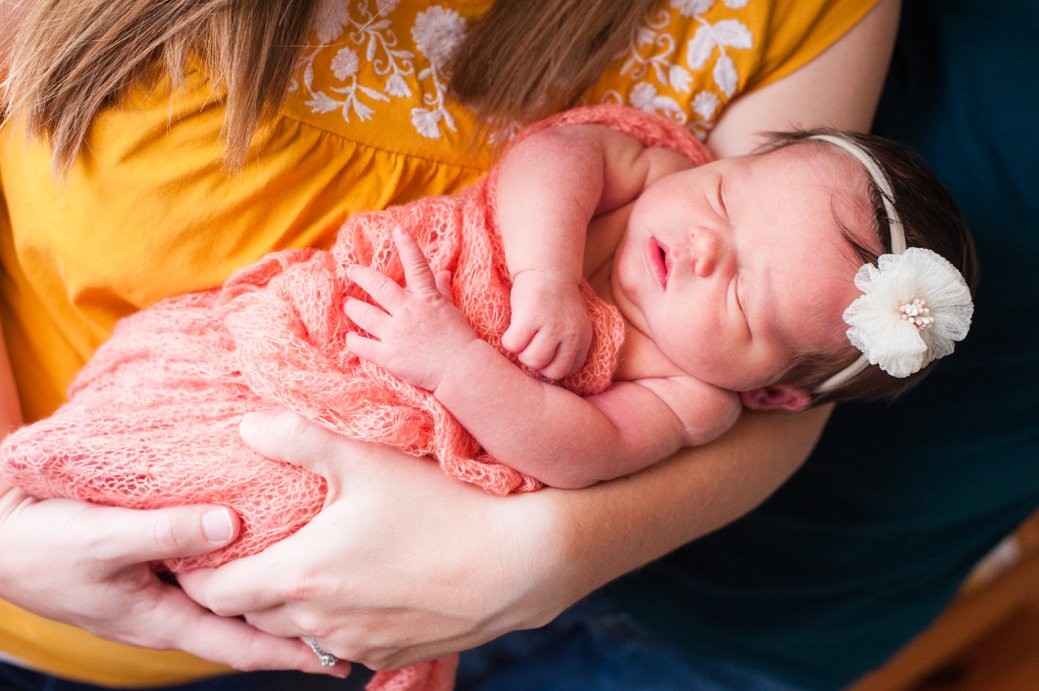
<point x="87" y="565"/>
<point x="403" y="565"/>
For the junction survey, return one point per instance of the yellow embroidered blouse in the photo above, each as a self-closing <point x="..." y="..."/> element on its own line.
<point x="148" y="212"/>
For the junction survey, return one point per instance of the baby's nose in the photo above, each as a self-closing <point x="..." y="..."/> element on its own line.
<point x="707" y="249"/>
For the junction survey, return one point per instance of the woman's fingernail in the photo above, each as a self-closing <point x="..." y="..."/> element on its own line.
<point x="252" y="426"/>
<point x="217" y="525"/>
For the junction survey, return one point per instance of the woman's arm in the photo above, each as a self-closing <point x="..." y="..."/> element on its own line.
<point x="840" y="88"/>
<point x="87" y="565"/>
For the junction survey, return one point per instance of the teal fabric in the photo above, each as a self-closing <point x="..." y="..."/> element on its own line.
<point x="870" y="540"/>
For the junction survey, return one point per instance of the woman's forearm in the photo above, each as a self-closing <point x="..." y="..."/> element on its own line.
<point x="610" y="529"/>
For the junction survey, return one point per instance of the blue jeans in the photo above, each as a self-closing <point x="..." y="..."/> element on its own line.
<point x="591" y="648"/>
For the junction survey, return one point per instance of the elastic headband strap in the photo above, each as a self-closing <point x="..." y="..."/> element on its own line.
<point x="898" y="237"/>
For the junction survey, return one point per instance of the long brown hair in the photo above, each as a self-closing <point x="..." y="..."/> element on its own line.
<point x="527" y="58"/>
<point x="71" y="58"/>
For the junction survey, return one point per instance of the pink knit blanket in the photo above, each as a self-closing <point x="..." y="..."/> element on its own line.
<point x="152" y="419"/>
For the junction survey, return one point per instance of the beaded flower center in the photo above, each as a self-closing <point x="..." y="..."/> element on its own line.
<point x="916" y="313"/>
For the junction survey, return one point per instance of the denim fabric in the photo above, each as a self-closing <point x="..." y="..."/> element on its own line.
<point x="591" y="648"/>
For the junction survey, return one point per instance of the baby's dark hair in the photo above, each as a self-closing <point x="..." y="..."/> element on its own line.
<point x="930" y="219"/>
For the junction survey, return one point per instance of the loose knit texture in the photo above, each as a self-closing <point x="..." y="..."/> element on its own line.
<point x="152" y="419"/>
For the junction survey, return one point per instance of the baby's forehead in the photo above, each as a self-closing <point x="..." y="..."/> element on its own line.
<point x="810" y="298"/>
<point x="855" y="200"/>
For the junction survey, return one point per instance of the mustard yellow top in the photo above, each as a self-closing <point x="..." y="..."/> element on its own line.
<point x="147" y="211"/>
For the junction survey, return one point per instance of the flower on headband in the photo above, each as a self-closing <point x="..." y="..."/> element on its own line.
<point x="914" y="307"/>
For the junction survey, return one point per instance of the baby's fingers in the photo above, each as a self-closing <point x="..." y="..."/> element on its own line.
<point x="383" y="289"/>
<point x="540" y="352"/>
<point x="368" y="317"/>
<point x="518" y="336"/>
<point x="417" y="273"/>
<point x="568" y="358"/>
<point x="365" y="348"/>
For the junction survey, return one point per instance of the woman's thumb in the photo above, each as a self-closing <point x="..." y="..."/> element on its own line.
<point x="179" y="531"/>
<point x="286" y="436"/>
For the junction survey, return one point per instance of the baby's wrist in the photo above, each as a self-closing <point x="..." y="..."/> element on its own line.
<point x="550" y="274"/>
<point x="458" y="368"/>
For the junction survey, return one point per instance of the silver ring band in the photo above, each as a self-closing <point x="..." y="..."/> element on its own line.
<point x="326" y="658"/>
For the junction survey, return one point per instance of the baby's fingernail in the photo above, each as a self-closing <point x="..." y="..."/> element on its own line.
<point x="217" y="525"/>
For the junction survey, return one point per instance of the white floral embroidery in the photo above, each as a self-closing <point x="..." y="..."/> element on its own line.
<point x="705" y="104"/>
<point x="645" y="96"/>
<point x="650" y="62"/>
<point x="727" y="33"/>
<point x="650" y="55"/>
<point x="368" y="44"/>
<point x="687" y="82"/>
<point x="437" y="32"/>
<point x="692" y="8"/>
<point x="330" y="20"/>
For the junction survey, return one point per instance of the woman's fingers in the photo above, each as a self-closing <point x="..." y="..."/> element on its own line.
<point x="282" y="435"/>
<point x="226" y="640"/>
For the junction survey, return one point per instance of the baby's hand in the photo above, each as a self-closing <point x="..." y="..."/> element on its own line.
<point x="415" y="329"/>
<point x="550" y="330"/>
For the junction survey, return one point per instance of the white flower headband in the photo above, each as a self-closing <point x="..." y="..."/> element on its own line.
<point x="915" y="304"/>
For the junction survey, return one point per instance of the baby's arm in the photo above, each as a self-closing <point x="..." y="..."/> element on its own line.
<point x="543" y="430"/>
<point x="550" y="186"/>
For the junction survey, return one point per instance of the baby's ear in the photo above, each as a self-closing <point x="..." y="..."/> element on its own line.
<point x="777" y="397"/>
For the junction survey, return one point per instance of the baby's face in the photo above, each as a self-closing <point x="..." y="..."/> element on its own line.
<point x="735" y="267"/>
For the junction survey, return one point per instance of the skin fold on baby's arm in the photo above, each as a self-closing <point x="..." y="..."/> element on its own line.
<point x="551" y="184"/>
<point x="419" y="335"/>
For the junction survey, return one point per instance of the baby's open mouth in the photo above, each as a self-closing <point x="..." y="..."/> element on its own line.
<point x="656" y="257"/>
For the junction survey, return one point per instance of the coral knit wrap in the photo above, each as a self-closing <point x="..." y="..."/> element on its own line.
<point x="152" y="419"/>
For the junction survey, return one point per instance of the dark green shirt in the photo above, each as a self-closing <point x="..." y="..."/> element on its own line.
<point x="869" y="541"/>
